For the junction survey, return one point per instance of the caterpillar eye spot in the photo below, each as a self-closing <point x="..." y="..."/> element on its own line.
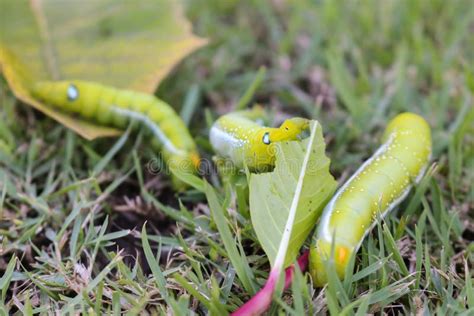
<point x="266" y="138"/>
<point x="287" y="128"/>
<point x="72" y="93"/>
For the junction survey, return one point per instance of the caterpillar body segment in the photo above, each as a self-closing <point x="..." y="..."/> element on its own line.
<point x="113" y="107"/>
<point x="380" y="184"/>
<point x="238" y="137"/>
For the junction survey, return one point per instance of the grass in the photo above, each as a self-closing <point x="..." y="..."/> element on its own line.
<point x="91" y="227"/>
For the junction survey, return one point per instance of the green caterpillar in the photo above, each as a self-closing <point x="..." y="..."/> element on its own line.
<point x="238" y="137"/>
<point x="380" y="184"/>
<point x="112" y="107"/>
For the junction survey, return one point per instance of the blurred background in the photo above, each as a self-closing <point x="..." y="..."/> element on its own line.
<point x="349" y="64"/>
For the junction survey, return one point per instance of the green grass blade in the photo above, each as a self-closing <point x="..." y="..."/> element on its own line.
<point x="238" y="260"/>
<point x="249" y="93"/>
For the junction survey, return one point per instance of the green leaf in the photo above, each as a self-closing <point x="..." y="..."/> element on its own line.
<point x="119" y="43"/>
<point x="300" y="180"/>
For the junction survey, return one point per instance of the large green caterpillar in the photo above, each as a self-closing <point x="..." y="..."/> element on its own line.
<point x="238" y="137"/>
<point x="112" y="107"/>
<point x="381" y="183"/>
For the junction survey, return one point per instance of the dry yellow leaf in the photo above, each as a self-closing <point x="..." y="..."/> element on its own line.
<point x="126" y="44"/>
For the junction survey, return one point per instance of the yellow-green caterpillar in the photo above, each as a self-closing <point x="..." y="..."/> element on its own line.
<point x="377" y="187"/>
<point x="238" y="137"/>
<point x="113" y="107"/>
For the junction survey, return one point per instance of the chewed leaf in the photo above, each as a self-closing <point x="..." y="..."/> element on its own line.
<point x="284" y="206"/>
<point x="298" y="187"/>
<point x="117" y="43"/>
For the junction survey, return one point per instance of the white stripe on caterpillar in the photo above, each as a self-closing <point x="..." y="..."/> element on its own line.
<point x="151" y="125"/>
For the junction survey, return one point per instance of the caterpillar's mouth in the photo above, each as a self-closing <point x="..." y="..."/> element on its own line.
<point x="305" y="133"/>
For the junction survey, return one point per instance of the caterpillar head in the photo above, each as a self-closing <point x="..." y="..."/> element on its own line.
<point x="290" y="129"/>
<point x="263" y="142"/>
<point x="294" y="127"/>
<point x="58" y="93"/>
